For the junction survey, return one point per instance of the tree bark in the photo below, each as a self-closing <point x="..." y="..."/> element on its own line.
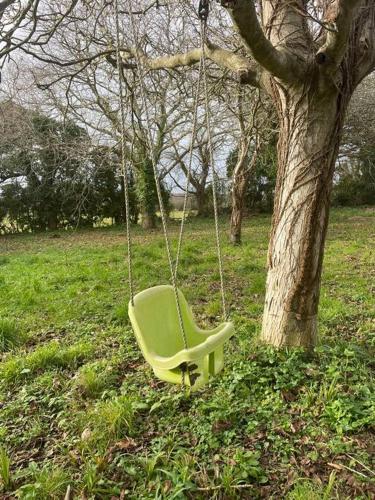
<point x="241" y="174"/>
<point x="201" y="197"/>
<point x="148" y="221"/>
<point x="310" y="128"/>
<point x="240" y="179"/>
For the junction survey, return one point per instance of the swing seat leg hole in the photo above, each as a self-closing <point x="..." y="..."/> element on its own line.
<point x="197" y="373"/>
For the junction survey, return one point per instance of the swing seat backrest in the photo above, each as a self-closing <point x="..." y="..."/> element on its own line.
<point x="155" y="320"/>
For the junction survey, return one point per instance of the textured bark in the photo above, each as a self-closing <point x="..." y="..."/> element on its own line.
<point x="310" y="128"/>
<point x="246" y="70"/>
<point x="311" y="114"/>
<point x="201" y="197"/>
<point x="240" y="180"/>
<point x="148" y="221"/>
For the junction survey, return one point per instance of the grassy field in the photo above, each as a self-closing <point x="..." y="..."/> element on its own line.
<point x="80" y="409"/>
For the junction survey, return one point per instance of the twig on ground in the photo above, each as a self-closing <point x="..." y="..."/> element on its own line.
<point x="342" y="466"/>
<point x="220" y="486"/>
<point x="360" y="463"/>
<point x="68" y="493"/>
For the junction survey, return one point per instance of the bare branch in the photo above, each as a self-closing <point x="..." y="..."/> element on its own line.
<point x="4" y="4"/>
<point x="144" y="11"/>
<point x="245" y="69"/>
<point x="276" y="61"/>
<point x="340" y="15"/>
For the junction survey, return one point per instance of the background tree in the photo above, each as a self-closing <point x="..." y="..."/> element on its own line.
<point x="200" y="173"/>
<point x="53" y="176"/>
<point x="254" y="116"/>
<point x="354" y="181"/>
<point x="260" y="188"/>
<point x="91" y="99"/>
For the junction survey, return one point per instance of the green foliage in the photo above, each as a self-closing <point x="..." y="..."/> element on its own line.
<point x="120" y="314"/>
<point x="78" y="399"/>
<point x="5" y="474"/>
<point x="306" y="489"/>
<point x="57" y="177"/>
<point x="46" y="484"/>
<point x="47" y="159"/>
<point x="10" y="335"/>
<point x="109" y="421"/>
<point x="355" y="184"/>
<point x="207" y="208"/>
<point x="93" y="379"/>
<point x="146" y="190"/>
<point x="105" y="189"/>
<point x="48" y="356"/>
<point x="95" y="485"/>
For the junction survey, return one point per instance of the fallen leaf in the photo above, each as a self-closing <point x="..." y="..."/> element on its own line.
<point x="86" y="435"/>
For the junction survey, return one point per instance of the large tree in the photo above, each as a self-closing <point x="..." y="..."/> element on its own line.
<point x="308" y="56"/>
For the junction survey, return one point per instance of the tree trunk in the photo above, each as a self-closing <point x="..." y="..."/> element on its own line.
<point x="310" y="127"/>
<point x="52" y="222"/>
<point x="148" y="221"/>
<point x="201" y="197"/>
<point x="240" y="178"/>
<point x="241" y="175"/>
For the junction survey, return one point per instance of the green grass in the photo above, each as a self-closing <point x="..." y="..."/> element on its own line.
<point x="10" y="335"/>
<point x="5" y="474"/>
<point x="80" y="409"/>
<point x="46" y="357"/>
<point x="307" y="489"/>
<point x="94" y="378"/>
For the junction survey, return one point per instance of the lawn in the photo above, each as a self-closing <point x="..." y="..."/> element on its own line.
<point x="81" y="411"/>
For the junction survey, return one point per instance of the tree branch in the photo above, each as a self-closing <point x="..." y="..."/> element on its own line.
<point x="245" y="69"/>
<point x="144" y="11"/>
<point x="276" y="61"/>
<point x="339" y="15"/>
<point x="4" y="4"/>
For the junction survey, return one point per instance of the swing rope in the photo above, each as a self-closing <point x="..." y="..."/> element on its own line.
<point x="203" y="34"/>
<point x="154" y="167"/>
<point x="124" y="163"/>
<point x="203" y="11"/>
<point x="190" y="162"/>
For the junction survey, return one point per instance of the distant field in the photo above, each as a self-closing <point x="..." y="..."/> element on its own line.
<point x="79" y="407"/>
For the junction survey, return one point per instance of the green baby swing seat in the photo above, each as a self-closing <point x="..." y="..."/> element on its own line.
<point x="177" y="350"/>
<point x="155" y="322"/>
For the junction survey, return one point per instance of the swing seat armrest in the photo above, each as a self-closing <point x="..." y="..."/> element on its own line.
<point x="214" y="339"/>
<point x="223" y="327"/>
